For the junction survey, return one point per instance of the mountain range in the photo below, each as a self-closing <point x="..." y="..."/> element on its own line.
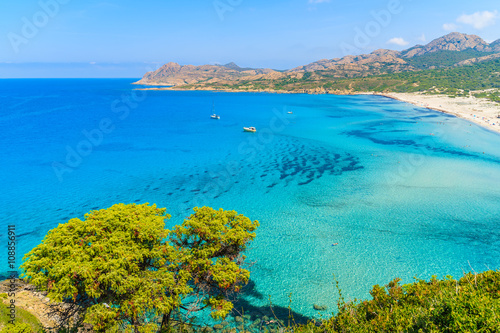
<point x="452" y="50"/>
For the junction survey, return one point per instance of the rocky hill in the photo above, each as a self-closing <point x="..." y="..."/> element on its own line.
<point x="454" y="49"/>
<point x="378" y="62"/>
<point x="453" y="42"/>
<point x="389" y="61"/>
<point x="173" y="74"/>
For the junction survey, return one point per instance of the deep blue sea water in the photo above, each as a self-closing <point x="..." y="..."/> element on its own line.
<point x="404" y="191"/>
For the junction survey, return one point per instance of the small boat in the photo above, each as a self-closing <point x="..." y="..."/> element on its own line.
<point x="290" y="112"/>
<point x="250" y="129"/>
<point x="214" y="115"/>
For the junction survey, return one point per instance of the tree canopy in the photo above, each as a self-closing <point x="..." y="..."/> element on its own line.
<point x="123" y="271"/>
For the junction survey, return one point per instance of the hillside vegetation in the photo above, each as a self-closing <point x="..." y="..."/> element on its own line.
<point x="444" y="58"/>
<point x="454" y="81"/>
<point x="480" y="76"/>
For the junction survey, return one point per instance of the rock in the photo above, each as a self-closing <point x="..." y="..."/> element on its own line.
<point x="320" y="307"/>
<point x="238" y="319"/>
<point x="218" y="327"/>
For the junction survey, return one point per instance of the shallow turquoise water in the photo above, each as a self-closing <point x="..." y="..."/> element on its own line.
<point x="403" y="190"/>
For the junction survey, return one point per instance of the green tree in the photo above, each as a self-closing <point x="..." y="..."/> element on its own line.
<point x="212" y="242"/>
<point x="124" y="271"/>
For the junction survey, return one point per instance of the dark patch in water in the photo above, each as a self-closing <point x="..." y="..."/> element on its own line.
<point x="306" y="182"/>
<point x="257" y="312"/>
<point x="411" y="143"/>
<point x="34" y="232"/>
<point x="307" y="162"/>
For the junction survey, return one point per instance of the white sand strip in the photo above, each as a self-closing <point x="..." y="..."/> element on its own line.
<point x="478" y="110"/>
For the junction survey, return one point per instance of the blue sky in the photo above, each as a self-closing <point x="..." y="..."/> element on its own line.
<point x="111" y="38"/>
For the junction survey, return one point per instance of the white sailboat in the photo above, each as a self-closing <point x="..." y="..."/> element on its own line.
<point x="214" y="115"/>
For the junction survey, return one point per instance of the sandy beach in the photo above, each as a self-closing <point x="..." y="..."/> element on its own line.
<point x="478" y="110"/>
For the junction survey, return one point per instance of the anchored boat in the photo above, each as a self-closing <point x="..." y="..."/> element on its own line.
<point x="214" y="115"/>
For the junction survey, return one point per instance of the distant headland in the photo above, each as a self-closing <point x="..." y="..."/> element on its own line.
<point x="460" y="71"/>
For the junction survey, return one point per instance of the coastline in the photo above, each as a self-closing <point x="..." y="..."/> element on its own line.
<point x="477" y="110"/>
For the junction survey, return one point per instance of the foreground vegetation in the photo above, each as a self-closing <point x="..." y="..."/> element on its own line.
<point x="470" y="304"/>
<point x="120" y="270"/>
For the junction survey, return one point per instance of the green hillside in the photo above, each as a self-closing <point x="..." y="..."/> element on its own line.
<point x="444" y="58"/>
<point x="480" y="76"/>
<point x="454" y="81"/>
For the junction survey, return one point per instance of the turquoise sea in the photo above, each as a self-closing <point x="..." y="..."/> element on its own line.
<point x="404" y="191"/>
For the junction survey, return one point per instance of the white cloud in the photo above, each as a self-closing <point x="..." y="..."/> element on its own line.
<point x="450" y="26"/>
<point x="318" y="1"/>
<point x="398" y="41"/>
<point x="479" y="20"/>
<point x="93" y="63"/>
<point x="422" y="38"/>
